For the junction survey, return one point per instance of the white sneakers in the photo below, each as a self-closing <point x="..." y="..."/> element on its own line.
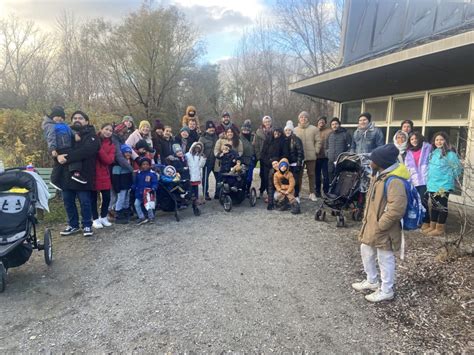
<point x="312" y="197"/>
<point x="298" y="199"/>
<point x="365" y="285"/>
<point x="376" y="296"/>
<point x="101" y="223"/>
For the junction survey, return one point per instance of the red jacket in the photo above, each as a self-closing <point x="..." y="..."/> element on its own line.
<point x="105" y="158"/>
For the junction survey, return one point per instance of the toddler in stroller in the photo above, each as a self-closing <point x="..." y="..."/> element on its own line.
<point x="18" y="221"/>
<point x="348" y="187"/>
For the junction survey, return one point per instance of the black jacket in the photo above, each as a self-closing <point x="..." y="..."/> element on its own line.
<point x="185" y="147"/>
<point x="272" y="150"/>
<point x="165" y="148"/>
<point x="228" y="161"/>
<point x="293" y="150"/>
<point x="181" y="167"/>
<point x="84" y="151"/>
<point x="338" y="141"/>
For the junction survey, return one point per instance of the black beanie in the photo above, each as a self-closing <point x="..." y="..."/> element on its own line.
<point x="385" y="155"/>
<point x="143" y="144"/>
<point x="57" y="111"/>
<point x="144" y="159"/>
<point x="210" y="124"/>
<point x="83" y="114"/>
<point x="367" y="115"/>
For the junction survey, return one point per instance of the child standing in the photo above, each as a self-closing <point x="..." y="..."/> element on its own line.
<point x="146" y="182"/>
<point x="444" y="168"/>
<point x="285" y="187"/>
<point x="196" y="162"/>
<point x="60" y="139"/>
<point x="122" y="180"/>
<point x="380" y="235"/>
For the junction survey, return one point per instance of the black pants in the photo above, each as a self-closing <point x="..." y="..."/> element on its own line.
<point x="439" y="207"/>
<point x="270" y="187"/>
<point x="264" y="171"/>
<point x="104" y="207"/>
<point x="296" y="171"/>
<point x="206" y="172"/>
<point x="322" y="169"/>
<point x="424" y="201"/>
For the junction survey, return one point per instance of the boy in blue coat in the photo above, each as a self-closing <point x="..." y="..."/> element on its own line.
<point x="145" y="185"/>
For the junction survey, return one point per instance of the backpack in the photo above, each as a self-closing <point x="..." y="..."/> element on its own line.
<point x="415" y="212"/>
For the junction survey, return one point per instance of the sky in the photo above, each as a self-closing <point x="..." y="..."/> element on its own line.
<point x="221" y="22"/>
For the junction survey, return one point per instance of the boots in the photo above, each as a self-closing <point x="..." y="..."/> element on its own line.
<point x="431" y="228"/>
<point x="439" y="231"/>
<point x="121" y="217"/>
<point x="295" y="208"/>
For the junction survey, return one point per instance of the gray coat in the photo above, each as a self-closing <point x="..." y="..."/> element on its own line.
<point x="249" y="150"/>
<point x="338" y="141"/>
<point x="57" y="135"/>
<point x="365" y="141"/>
<point x="209" y="141"/>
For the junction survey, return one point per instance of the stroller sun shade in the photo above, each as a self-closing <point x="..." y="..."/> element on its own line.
<point x="21" y="179"/>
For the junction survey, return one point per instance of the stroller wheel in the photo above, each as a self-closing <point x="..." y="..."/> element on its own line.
<point x="176" y="216"/>
<point x="358" y="215"/>
<point x="340" y="221"/>
<point x="323" y="216"/>
<point x="227" y="203"/>
<point x="221" y="197"/>
<point x="197" y="211"/>
<point x="48" y="247"/>
<point x="253" y="197"/>
<point x="3" y="277"/>
<point x="317" y="216"/>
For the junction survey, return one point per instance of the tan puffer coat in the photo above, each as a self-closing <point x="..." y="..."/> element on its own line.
<point x="311" y="140"/>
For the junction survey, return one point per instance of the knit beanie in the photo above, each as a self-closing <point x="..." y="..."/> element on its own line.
<point x="210" y="124"/>
<point x="144" y="124"/>
<point x="267" y="117"/>
<point x="177" y="148"/>
<point x="125" y="148"/>
<point x="367" y="115"/>
<point x="79" y="112"/>
<point x="335" y="119"/>
<point x="289" y="125"/>
<point x="57" y="111"/>
<point x="225" y="113"/>
<point x="185" y="129"/>
<point x="144" y="159"/>
<point x="282" y="164"/>
<point x="143" y="144"/>
<point x="246" y="126"/>
<point x="127" y="118"/>
<point x="159" y="125"/>
<point x="385" y="156"/>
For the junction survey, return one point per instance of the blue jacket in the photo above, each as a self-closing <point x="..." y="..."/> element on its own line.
<point x="443" y="171"/>
<point x="365" y="141"/>
<point x="141" y="184"/>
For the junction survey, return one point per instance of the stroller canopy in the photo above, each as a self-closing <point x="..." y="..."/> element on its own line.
<point x="21" y="179"/>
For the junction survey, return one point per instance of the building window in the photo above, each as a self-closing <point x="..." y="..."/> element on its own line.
<point x="350" y="112"/>
<point x="407" y="109"/>
<point x="450" y="106"/>
<point x="378" y="110"/>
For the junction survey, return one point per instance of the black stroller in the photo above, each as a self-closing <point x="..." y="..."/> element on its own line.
<point x="351" y="180"/>
<point x="174" y="194"/>
<point x="233" y="189"/>
<point x="18" y="222"/>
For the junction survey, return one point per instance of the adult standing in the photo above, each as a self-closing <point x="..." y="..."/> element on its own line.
<point x="416" y="161"/>
<point x="338" y="141"/>
<point x="407" y="126"/>
<point x="128" y="121"/>
<point x="321" y="158"/>
<point x="294" y="152"/>
<point x="272" y="151"/>
<point x="103" y="181"/>
<point x="311" y="139"/>
<point x="166" y="144"/>
<point x="367" y="137"/>
<point x="248" y="154"/>
<point x="158" y="129"/>
<point x="225" y="124"/>
<point x="208" y="140"/>
<point x="143" y="132"/>
<point x="183" y="139"/>
<point x="85" y="151"/>
<point x="263" y="132"/>
<point x="400" y="139"/>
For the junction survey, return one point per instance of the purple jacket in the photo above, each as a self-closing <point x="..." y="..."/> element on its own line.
<point x="418" y="173"/>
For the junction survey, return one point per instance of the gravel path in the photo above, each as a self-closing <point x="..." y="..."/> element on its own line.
<point x="248" y="280"/>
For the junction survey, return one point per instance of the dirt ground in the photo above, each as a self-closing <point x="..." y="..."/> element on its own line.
<point x="248" y="281"/>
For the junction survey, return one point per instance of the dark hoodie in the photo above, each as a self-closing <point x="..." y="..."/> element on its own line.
<point x="272" y="148"/>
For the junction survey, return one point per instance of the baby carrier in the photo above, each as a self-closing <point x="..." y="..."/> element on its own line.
<point x="18" y="199"/>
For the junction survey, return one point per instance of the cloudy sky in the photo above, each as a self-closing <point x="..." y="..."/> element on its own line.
<point x="220" y="21"/>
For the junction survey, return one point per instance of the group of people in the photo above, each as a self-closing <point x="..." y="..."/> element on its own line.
<point x="116" y="166"/>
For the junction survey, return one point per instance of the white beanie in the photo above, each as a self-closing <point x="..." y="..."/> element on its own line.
<point x="266" y="117"/>
<point x="289" y="125"/>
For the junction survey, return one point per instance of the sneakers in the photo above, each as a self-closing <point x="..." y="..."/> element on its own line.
<point x="379" y="296"/>
<point x="97" y="224"/>
<point x="78" y="177"/>
<point x="69" y="230"/>
<point x="55" y="186"/>
<point x="142" y="221"/>
<point x="105" y="222"/>
<point x="87" y="232"/>
<point x="298" y="199"/>
<point x="312" y="197"/>
<point x="365" y="285"/>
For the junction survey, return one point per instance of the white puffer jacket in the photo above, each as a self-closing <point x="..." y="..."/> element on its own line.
<point x="195" y="162"/>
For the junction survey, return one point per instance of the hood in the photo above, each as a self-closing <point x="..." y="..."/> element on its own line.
<point x="401" y="147"/>
<point x="191" y="108"/>
<point x="397" y="169"/>
<point x="194" y="145"/>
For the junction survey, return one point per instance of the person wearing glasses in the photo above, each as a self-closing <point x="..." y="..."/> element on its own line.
<point x="84" y="151"/>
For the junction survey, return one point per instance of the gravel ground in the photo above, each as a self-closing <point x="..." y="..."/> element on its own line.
<point x="248" y="280"/>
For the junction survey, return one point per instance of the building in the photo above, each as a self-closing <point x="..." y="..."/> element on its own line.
<point x="405" y="60"/>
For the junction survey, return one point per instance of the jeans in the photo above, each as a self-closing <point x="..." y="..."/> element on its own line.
<point x="104" y="206"/>
<point x="123" y="200"/>
<point x="386" y="261"/>
<point x="206" y="172"/>
<point x="439" y="207"/>
<point x="322" y="168"/>
<point x="139" y="210"/>
<point x="69" y="199"/>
